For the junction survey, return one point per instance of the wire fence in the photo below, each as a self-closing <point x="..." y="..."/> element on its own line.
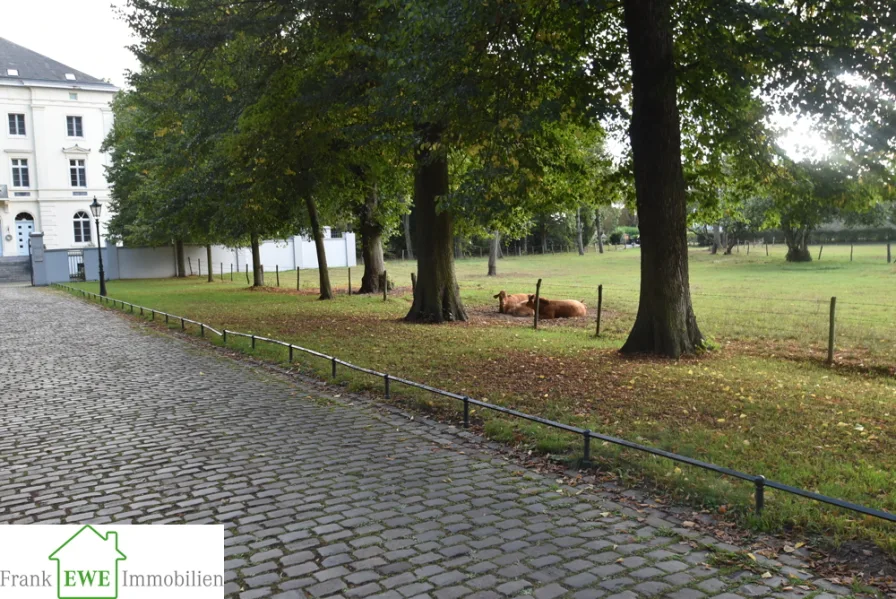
<point x="836" y="327"/>
<point x="863" y="331"/>
<point x="760" y="482"/>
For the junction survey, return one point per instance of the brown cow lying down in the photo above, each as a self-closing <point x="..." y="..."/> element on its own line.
<point x="521" y="310"/>
<point x="557" y="308"/>
<point x="507" y="302"/>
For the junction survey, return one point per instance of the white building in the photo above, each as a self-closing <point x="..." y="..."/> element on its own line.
<point x="53" y="120"/>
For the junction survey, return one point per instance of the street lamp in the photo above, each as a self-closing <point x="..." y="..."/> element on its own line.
<point x="96" y="208"/>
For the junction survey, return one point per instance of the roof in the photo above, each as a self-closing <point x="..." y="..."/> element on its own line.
<point x="31" y="66"/>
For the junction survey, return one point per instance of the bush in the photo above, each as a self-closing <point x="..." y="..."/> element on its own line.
<point x="615" y="238"/>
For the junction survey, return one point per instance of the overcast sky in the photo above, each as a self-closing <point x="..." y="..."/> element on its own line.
<point x="86" y="35"/>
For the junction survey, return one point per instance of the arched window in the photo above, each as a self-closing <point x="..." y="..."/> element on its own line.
<point x="82" y="227"/>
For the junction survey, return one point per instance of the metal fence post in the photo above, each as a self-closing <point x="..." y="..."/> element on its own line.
<point x="600" y="301"/>
<point x="253" y="341"/>
<point x="466" y="412"/>
<point x="277" y="266"/>
<point x="831" y="331"/>
<point x="349" y="280"/>
<point x="290" y="354"/>
<point x="537" y="301"/>
<point x="334" y="367"/>
<point x="166" y="318"/>
<point x="224" y="336"/>
<point x="759" y="481"/>
<point x="586" y="452"/>
<point x="201" y="330"/>
<point x="386" y="382"/>
<point x="183" y="325"/>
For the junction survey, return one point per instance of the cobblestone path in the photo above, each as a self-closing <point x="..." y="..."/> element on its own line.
<point x="100" y="422"/>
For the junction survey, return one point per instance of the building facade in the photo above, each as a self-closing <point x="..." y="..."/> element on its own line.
<point x="53" y="120"/>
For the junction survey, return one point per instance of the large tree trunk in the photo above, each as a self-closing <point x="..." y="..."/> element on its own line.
<point x="180" y="257"/>
<point x="716" y="239"/>
<point x="326" y="292"/>
<point x="797" y="241"/>
<point x="437" y="297"/>
<point x="208" y="256"/>
<point x="579" y="226"/>
<point x="598" y="225"/>
<point x="371" y="245"/>
<point x="494" y="246"/>
<point x="409" y="246"/>
<point x="665" y="324"/>
<point x="257" y="268"/>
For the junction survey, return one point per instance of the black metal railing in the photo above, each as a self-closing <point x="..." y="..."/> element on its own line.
<point x="760" y="482"/>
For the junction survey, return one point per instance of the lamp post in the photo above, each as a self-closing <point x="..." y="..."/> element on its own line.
<point x="96" y="208"/>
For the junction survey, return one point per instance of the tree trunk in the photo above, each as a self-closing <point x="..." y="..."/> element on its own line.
<point x="716" y="239"/>
<point x="437" y="297"/>
<point x="257" y="268"/>
<point x="579" y="226"/>
<point x="371" y="245"/>
<point x="665" y="324"/>
<point x="598" y="225"/>
<point x="208" y="256"/>
<point x="729" y="245"/>
<point x="797" y="241"/>
<point x="544" y="239"/>
<point x="180" y="257"/>
<point x="409" y="247"/>
<point x="494" y="246"/>
<point x="326" y="292"/>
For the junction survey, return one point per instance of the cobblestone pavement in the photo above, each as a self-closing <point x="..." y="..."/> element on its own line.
<point x="322" y="497"/>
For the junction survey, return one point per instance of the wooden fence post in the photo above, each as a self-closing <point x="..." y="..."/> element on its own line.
<point x="190" y="263"/>
<point x="247" y="274"/>
<point x="600" y="301"/>
<point x="537" y="301"/>
<point x="298" y="278"/>
<point x="385" y="284"/>
<point x="820" y="250"/>
<point x="199" y="265"/>
<point x="231" y="271"/>
<point x="831" y="332"/>
<point x="413" y="283"/>
<point x="222" y="272"/>
<point x="349" y="280"/>
<point x="277" y="266"/>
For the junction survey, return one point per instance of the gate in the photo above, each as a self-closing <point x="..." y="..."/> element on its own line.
<point x="76" y="265"/>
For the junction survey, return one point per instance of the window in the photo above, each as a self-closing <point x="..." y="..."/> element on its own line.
<point x="74" y="126"/>
<point x="78" y="172"/>
<point x="17" y="124"/>
<point x="70" y="76"/>
<point x="20" y="173"/>
<point x="72" y="95"/>
<point x="12" y="72"/>
<point x="82" y="227"/>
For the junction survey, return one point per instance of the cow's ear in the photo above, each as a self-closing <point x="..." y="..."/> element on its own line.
<point x="531" y="297"/>
<point x="496" y="296"/>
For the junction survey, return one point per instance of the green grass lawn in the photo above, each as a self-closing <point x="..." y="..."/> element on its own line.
<point x="763" y="402"/>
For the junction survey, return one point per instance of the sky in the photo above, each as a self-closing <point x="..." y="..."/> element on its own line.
<point x="86" y="35"/>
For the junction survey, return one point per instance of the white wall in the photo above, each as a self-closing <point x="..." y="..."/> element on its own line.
<point x="146" y="263"/>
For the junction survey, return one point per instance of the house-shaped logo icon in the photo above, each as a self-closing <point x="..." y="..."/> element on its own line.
<point x="87" y="565"/>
